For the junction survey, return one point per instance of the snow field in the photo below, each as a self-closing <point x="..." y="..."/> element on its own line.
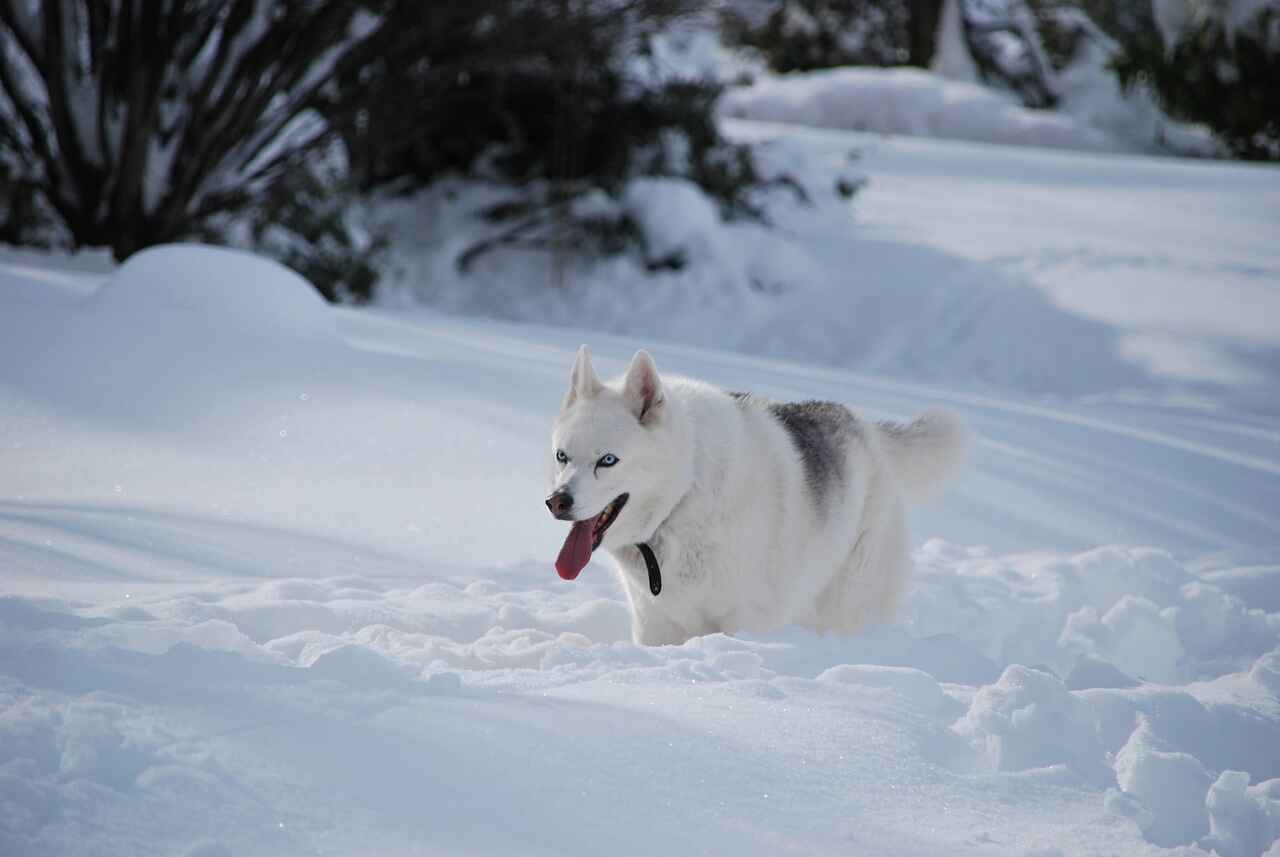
<point x="286" y="588"/>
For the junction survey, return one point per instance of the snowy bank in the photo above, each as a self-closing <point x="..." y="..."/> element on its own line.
<point x="1094" y="115"/>
<point x="912" y="102"/>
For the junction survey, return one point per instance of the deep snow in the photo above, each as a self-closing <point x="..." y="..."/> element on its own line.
<point x="287" y="589"/>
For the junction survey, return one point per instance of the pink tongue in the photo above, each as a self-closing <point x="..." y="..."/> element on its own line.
<point x="576" y="552"/>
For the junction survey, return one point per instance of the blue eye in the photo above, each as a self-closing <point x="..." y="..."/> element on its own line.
<point x="561" y="457"/>
<point x="607" y="460"/>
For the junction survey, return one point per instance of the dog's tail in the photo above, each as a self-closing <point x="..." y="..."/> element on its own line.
<point x="925" y="451"/>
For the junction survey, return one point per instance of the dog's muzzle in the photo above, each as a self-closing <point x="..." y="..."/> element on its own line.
<point x="561" y="505"/>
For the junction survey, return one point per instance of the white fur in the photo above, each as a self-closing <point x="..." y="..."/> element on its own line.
<point x="720" y="493"/>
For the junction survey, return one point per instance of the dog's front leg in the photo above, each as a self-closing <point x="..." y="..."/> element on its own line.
<point x="656" y="630"/>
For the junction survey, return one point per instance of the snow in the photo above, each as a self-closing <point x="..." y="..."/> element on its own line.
<point x="1172" y="18"/>
<point x="690" y="49"/>
<point x="678" y="221"/>
<point x="214" y="291"/>
<point x="1050" y="273"/>
<point x="952" y="59"/>
<point x="1244" y="818"/>
<point x="277" y="575"/>
<point x="908" y="101"/>
<point x="1094" y="114"/>
<point x="161" y="151"/>
<point x="1170" y="786"/>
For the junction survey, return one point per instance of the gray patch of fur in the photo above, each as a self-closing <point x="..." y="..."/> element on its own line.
<point x="902" y="431"/>
<point x="820" y="432"/>
<point x="739" y="397"/>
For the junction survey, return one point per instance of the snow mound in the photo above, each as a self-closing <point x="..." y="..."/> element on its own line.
<point x="911" y="102"/>
<point x="678" y="219"/>
<point x="215" y="288"/>
<point x="916" y="685"/>
<point x="1136" y="635"/>
<point x="1170" y="786"/>
<point x="1244" y="819"/>
<point x="1027" y="720"/>
<point x="1266" y="672"/>
<point x="1075" y="619"/>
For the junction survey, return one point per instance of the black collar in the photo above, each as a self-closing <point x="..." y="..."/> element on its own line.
<point x="651" y="563"/>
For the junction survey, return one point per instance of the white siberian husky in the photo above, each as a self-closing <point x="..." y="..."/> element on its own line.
<point x="726" y="512"/>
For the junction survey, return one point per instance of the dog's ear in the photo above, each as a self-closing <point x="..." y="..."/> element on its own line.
<point x="583" y="381"/>
<point x="642" y="390"/>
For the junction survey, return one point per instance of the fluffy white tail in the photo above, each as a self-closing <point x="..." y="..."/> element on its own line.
<point x="925" y="451"/>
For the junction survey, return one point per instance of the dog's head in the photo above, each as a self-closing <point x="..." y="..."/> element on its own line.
<point x="608" y="468"/>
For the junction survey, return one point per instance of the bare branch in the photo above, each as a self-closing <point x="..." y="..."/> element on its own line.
<point x="13" y="18"/>
<point x="27" y="112"/>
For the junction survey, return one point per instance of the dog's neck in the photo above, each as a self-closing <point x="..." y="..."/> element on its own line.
<point x="649" y="555"/>
<point x="651" y="565"/>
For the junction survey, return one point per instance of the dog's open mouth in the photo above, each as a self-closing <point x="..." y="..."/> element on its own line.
<point x="584" y="537"/>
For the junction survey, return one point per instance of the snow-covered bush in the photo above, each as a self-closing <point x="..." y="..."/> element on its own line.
<point x="1003" y="38"/>
<point x="801" y="35"/>
<point x="313" y="220"/>
<point x="516" y="89"/>
<point x="1215" y="63"/>
<point x="132" y="125"/>
<point x="565" y="103"/>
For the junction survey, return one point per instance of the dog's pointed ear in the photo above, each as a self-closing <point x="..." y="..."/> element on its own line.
<point x="642" y="390"/>
<point x="583" y="381"/>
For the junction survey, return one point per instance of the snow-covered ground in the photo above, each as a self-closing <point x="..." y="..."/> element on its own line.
<point x="915" y="103"/>
<point x="1050" y="273"/>
<point x="275" y="578"/>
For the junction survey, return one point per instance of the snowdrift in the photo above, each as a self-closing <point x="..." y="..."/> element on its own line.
<point x="912" y="102"/>
<point x="216" y="291"/>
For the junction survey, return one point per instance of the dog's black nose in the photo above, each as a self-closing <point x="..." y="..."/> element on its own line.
<point x="560" y="503"/>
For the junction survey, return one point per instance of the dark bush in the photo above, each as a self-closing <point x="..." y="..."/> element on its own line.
<point x="522" y="91"/>
<point x="559" y="99"/>
<point x="1228" y="81"/>
<point x="310" y="220"/>
<point x="801" y="35"/>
